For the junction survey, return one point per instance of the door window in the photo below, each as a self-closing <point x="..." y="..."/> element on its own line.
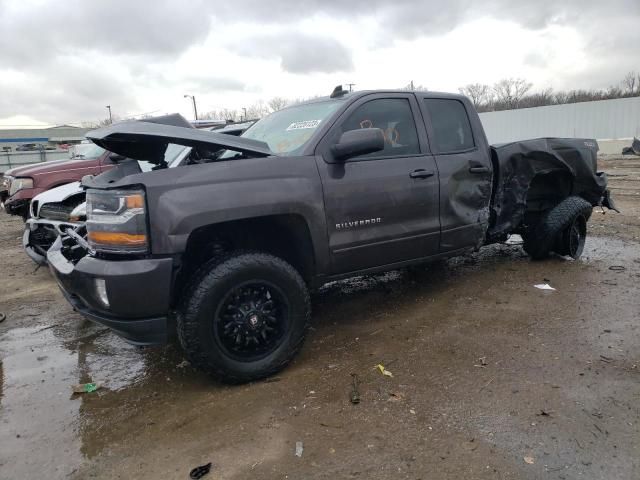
<point x="394" y="117"/>
<point x="450" y="124"/>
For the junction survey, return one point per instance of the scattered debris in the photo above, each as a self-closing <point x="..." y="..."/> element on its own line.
<point x="183" y="364"/>
<point x="200" y="471"/>
<point x="482" y="362"/>
<point x="354" y="397"/>
<point x="543" y="413"/>
<point x="606" y="359"/>
<point x="3" y="317"/>
<point x="412" y="411"/>
<point x="42" y="358"/>
<point x="87" y="387"/>
<point x="384" y="371"/>
<point x="544" y="286"/>
<point x="396" y="396"/>
<point x="634" y="149"/>
<point x="299" y="449"/>
<point x="617" y="268"/>
<point x="529" y="460"/>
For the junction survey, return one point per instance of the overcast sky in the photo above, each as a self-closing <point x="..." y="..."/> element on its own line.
<point x="63" y="61"/>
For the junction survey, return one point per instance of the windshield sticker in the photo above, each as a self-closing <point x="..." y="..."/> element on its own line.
<point x="305" y="124"/>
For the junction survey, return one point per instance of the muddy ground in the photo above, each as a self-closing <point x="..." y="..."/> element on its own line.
<point x="492" y="378"/>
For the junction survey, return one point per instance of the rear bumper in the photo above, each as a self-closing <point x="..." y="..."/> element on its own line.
<point x="138" y="293"/>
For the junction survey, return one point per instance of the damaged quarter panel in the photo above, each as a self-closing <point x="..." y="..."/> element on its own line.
<point x="465" y="169"/>
<point x="520" y="163"/>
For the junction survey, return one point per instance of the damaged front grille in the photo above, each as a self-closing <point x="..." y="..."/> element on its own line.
<point x="74" y="243"/>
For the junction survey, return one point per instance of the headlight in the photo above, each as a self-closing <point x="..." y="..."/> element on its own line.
<point x="117" y="221"/>
<point x="18" y="184"/>
<point x="79" y="213"/>
<point x="5" y="183"/>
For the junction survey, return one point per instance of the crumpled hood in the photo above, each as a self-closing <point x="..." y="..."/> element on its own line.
<point x="142" y="140"/>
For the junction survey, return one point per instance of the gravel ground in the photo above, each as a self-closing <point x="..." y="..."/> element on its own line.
<point x="492" y="378"/>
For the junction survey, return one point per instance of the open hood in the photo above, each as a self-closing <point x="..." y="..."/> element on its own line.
<point x="144" y="140"/>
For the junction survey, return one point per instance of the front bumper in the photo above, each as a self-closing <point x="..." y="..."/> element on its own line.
<point x="18" y="207"/>
<point x="18" y="203"/>
<point x="138" y="292"/>
<point x="38" y="251"/>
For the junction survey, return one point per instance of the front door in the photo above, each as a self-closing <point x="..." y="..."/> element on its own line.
<point x="381" y="208"/>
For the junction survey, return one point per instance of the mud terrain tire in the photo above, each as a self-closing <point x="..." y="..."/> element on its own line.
<point x="551" y="232"/>
<point x="243" y="283"/>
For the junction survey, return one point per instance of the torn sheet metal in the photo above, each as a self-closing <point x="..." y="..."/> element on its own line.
<point x="519" y="162"/>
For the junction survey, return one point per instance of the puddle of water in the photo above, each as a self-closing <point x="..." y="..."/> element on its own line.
<point x="40" y="418"/>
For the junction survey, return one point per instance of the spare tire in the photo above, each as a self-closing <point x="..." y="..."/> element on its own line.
<point x="562" y="230"/>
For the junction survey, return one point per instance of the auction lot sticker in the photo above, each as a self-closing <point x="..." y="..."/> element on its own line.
<point x="303" y="125"/>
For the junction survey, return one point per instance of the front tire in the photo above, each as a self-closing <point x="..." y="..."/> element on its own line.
<point x="244" y="316"/>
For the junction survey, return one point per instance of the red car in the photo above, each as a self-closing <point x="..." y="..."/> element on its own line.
<point x="21" y="184"/>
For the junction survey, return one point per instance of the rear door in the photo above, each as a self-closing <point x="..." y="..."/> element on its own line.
<point x="463" y="162"/>
<point x="381" y="208"/>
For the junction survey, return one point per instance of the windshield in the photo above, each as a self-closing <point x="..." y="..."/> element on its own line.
<point x="173" y="155"/>
<point x="287" y="131"/>
<point x="84" y="151"/>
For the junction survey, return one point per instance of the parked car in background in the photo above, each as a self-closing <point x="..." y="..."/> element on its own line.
<point x="28" y="147"/>
<point x="24" y="183"/>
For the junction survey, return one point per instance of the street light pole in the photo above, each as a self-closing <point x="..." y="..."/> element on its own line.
<point x="245" y="113"/>
<point x="195" y="109"/>
<point x="110" y="117"/>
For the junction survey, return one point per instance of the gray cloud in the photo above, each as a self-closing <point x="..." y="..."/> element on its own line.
<point x="54" y="43"/>
<point x="297" y="52"/>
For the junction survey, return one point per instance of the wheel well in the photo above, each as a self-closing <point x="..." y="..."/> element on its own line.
<point x="285" y="236"/>
<point x="548" y="189"/>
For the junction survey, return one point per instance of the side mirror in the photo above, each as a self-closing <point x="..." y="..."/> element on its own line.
<point x="358" y="142"/>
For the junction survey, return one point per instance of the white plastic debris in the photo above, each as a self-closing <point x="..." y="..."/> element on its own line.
<point x="544" y="286"/>
<point x="299" y="449"/>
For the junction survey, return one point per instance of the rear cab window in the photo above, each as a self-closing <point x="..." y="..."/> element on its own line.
<point x="451" y="125"/>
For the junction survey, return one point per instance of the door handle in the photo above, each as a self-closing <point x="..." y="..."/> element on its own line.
<point x="421" y="173"/>
<point x="478" y="170"/>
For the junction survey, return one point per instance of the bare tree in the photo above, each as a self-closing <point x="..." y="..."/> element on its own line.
<point x="509" y="91"/>
<point x="258" y="110"/>
<point x="278" y="103"/>
<point x="100" y="123"/>
<point x="225" y="114"/>
<point x="479" y="94"/>
<point x="631" y="83"/>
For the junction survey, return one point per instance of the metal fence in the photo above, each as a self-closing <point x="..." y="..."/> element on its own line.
<point x="15" y="159"/>
<point x="602" y="120"/>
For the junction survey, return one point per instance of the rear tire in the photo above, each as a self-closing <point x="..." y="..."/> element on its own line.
<point x="562" y="230"/>
<point x="244" y="316"/>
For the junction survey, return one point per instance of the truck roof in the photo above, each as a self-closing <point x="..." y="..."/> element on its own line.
<point x="362" y="93"/>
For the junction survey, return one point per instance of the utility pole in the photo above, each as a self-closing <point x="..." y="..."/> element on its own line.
<point x="350" y="85"/>
<point x="110" y="117"/>
<point x="245" y="113"/>
<point x="195" y="109"/>
<point x="412" y="86"/>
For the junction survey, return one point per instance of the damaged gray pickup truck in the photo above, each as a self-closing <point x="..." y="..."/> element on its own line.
<point x="225" y="248"/>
